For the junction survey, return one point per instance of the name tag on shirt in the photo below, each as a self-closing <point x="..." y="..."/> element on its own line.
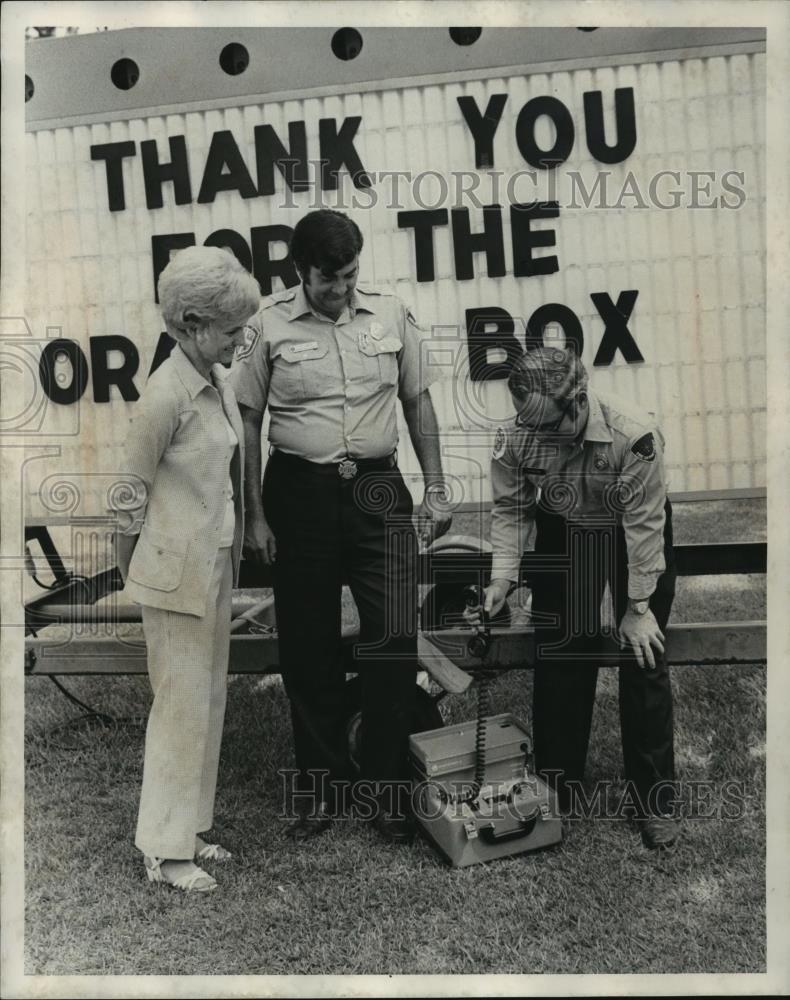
<point x="310" y="345"/>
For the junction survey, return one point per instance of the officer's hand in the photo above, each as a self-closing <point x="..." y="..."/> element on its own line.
<point x="434" y="517"/>
<point x="493" y="599"/>
<point x="641" y="632"/>
<point x="259" y="542"/>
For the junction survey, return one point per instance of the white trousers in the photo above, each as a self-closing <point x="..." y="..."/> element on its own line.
<point x="188" y="670"/>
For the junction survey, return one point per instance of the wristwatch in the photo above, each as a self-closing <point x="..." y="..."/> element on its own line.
<point x="638" y="607"/>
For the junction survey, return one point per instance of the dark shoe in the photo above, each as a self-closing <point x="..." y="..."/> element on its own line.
<point x="308" y="826"/>
<point x="659" y="832"/>
<point x="395" y="829"/>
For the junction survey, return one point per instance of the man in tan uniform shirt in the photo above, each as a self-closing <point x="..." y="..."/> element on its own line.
<point x="329" y="360"/>
<point x="587" y="469"/>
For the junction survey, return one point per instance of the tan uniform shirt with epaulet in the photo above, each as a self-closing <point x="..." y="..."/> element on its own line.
<point x="330" y="385"/>
<point x="615" y="472"/>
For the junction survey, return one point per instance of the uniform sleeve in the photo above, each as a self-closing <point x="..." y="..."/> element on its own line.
<point x="250" y="373"/>
<point x="415" y="373"/>
<point x="511" y="516"/>
<point x="151" y="429"/>
<point x="644" y="493"/>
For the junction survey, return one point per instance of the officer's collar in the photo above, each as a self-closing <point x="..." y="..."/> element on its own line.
<point x="358" y="304"/>
<point x="597" y="428"/>
<point x="192" y="380"/>
<point x="301" y="306"/>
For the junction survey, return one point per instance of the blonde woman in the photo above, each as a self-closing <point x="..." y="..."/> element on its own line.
<point x="179" y="552"/>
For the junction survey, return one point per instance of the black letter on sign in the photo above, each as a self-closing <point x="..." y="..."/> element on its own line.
<point x="270" y="152"/>
<point x="46" y="371"/>
<point x="337" y="148"/>
<point x="232" y="241"/>
<point x="162" y="352"/>
<point x="156" y="173"/>
<point x="483" y="127"/>
<point x="625" y="120"/>
<point x="525" y="240"/>
<point x="161" y="247"/>
<point x="265" y="267"/>
<point x="423" y="222"/>
<point x="616" y="334"/>
<point x="481" y="341"/>
<point x="525" y="132"/>
<point x="555" y="312"/>
<point x="465" y="245"/>
<point x="223" y="152"/>
<point x="104" y="377"/>
<point x="113" y="153"/>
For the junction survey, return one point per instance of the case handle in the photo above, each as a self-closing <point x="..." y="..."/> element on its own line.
<point x="489" y="834"/>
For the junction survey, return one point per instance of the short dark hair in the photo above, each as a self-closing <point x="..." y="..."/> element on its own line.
<point x="549" y="371"/>
<point x="325" y="239"/>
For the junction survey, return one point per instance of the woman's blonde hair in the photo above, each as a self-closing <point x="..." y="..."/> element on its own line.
<point x="206" y="286"/>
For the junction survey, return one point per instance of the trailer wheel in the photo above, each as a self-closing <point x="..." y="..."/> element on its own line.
<point x="425" y="715"/>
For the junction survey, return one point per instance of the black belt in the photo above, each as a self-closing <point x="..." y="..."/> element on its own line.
<point x="346" y="468"/>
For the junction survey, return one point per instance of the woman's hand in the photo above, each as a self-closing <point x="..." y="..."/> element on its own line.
<point x="124" y="549"/>
<point x="259" y="542"/>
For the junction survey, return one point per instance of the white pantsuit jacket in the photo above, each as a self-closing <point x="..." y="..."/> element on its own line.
<point x="178" y="455"/>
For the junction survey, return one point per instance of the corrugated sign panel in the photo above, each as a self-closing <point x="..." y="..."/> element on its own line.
<point x="698" y="319"/>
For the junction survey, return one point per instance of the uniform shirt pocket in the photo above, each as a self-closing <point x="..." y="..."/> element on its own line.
<point x="158" y="560"/>
<point x="300" y="370"/>
<point x="383" y="355"/>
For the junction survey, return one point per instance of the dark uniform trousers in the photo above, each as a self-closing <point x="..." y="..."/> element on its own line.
<point x="329" y="531"/>
<point x="566" y="675"/>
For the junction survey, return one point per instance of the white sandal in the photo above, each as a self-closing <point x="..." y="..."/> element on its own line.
<point x="194" y="881"/>
<point x="213" y="852"/>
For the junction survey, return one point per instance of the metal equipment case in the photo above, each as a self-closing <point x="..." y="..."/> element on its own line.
<point x="513" y="811"/>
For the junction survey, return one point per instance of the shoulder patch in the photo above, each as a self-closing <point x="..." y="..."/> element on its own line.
<point x="500" y="443"/>
<point x="251" y="335"/>
<point x="645" y="448"/>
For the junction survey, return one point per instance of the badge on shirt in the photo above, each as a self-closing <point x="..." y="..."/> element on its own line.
<point x="645" y="448"/>
<point x="251" y="336"/>
<point x="600" y="461"/>
<point x="500" y="442"/>
<point x="376" y="330"/>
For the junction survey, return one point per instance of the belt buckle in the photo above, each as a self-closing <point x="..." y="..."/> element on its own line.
<point x="347" y="468"/>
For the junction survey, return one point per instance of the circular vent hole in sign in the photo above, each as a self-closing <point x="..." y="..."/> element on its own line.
<point x="234" y="59"/>
<point x="347" y="43"/>
<point x="125" y="74"/>
<point x="465" y="36"/>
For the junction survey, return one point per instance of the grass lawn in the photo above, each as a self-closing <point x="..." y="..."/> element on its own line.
<point x="347" y="902"/>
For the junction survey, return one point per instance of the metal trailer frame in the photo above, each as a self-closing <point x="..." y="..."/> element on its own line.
<point x="93" y="647"/>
